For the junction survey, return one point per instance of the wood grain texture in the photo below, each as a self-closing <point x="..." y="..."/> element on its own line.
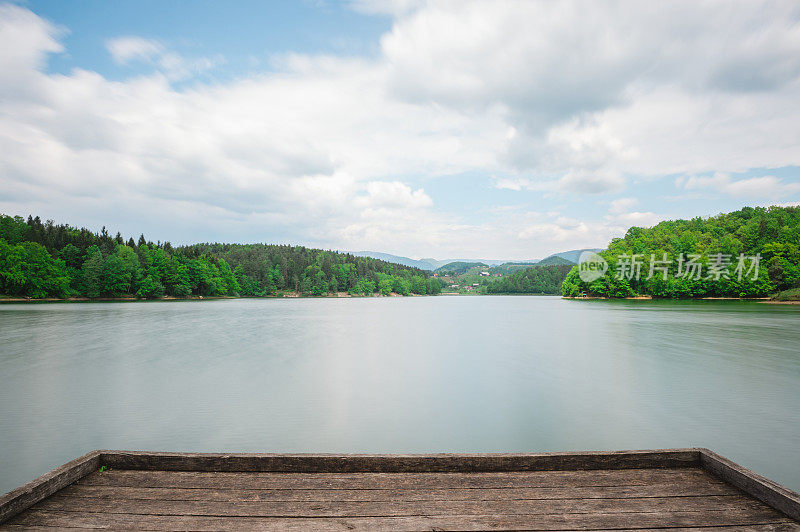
<point x="401" y="508"/>
<point x="697" y="489"/>
<point x="763" y="489"/>
<point x="25" y="496"/>
<point x="732" y="518"/>
<point x="684" y="489"/>
<point x="519" y="479"/>
<point x="438" y="463"/>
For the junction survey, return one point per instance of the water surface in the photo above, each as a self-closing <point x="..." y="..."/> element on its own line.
<point x="385" y="375"/>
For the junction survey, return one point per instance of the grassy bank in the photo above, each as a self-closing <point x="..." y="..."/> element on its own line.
<point x="788" y="295"/>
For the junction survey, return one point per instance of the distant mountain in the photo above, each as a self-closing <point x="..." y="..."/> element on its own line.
<point x="487" y="262"/>
<point x="423" y="264"/>
<point x="563" y="257"/>
<point x="571" y="256"/>
<point x="511" y="267"/>
<point x="459" y="267"/>
<point x="554" y="260"/>
<point x="428" y="264"/>
<point x="433" y="264"/>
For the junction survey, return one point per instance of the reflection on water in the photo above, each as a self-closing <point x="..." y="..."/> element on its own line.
<point x="416" y="374"/>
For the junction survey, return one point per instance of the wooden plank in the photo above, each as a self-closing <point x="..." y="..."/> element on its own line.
<point x="774" y="527"/>
<point x="688" y="489"/>
<point x="333" y="463"/>
<point x="296" y="481"/>
<point x="763" y="489"/>
<point x="540" y="491"/>
<point x="662" y="505"/>
<point x="609" y="521"/>
<point x="23" y="497"/>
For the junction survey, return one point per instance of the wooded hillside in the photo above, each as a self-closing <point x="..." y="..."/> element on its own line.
<point x="40" y="260"/>
<point x="753" y="252"/>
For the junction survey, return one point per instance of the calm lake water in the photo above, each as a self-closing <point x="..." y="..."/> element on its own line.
<point x="423" y="374"/>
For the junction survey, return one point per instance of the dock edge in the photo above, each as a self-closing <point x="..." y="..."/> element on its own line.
<point x="761" y="488"/>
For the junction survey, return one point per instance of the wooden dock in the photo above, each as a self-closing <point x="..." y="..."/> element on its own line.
<point x="686" y="489"/>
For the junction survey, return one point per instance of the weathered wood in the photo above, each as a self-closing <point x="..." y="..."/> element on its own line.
<point x="25" y="496"/>
<point x="609" y="521"/>
<point x="402" y="508"/>
<point x="298" y="481"/>
<point x="439" y="463"/>
<point x="763" y="489"/>
<point x="773" y="527"/>
<point x="687" y="489"/>
<point x="673" y="489"/>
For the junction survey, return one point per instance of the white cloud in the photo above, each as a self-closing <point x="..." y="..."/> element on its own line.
<point x="753" y="187"/>
<point x="559" y="99"/>
<point x="620" y="214"/>
<point x="565" y="233"/>
<point x="394" y="194"/>
<point x="597" y="91"/>
<point x="577" y="181"/>
<point x="126" y="49"/>
<point x="386" y="7"/>
<point x="638" y="219"/>
<point x="25" y="39"/>
<point x="621" y="205"/>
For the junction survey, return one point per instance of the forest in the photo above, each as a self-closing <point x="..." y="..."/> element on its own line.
<point x="48" y="260"/>
<point x="507" y="278"/>
<point x="459" y="268"/>
<point x="533" y="280"/>
<point x="771" y="234"/>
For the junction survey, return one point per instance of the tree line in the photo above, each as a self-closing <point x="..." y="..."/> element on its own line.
<point x="43" y="259"/>
<point x="770" y="234"/>
<point x="532" y="280"/>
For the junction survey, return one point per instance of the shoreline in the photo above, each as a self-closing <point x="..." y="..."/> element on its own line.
<point x="345" y="295"/>
<point x="766" y="300"/>
<point x="283" y="295"/>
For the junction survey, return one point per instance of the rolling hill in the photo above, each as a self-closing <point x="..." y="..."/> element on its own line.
<point x="431" y="264"/>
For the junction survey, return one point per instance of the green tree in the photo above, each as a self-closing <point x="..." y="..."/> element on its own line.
<point x="116" y="278"/>
<point x="150" y="288"/>
<point x="771" y="233"/>
<point x="28" y="270"/>
<point x="363" y="287"/>
<point x="228" y="278"/>
<point x="203" y="269"/>
<point x="130" y="261"/>
<point x="433" y="286"/>
<point x="402" y="286"/>
<point x="418" y="285"/>
<point x="92" y="273"/>
<point x="385" y="284"/>
<point x="247" y="286"/>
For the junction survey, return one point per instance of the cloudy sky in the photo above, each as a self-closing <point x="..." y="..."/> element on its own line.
<point x="427" y="129"/>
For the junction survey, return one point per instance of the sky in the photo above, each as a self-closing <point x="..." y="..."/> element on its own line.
<point x="487" y="129"/>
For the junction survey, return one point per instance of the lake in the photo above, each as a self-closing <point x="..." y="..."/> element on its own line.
<point x="390" y="375"/>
